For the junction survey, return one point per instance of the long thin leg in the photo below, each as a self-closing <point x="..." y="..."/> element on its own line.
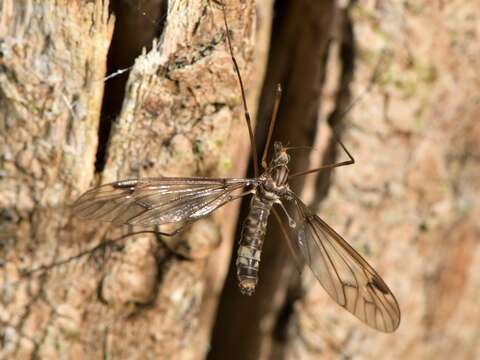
<point x="276" y="104"/>
<point x="43" y="268"/>
<point x="328" y="166"/>
<point x="288" y="239"/>
<point x="351" y="161"/>
<point x="245" y="108"/>
<point x="110" y="242"/>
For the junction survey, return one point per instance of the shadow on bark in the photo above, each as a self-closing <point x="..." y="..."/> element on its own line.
<point x="256" y="327"/>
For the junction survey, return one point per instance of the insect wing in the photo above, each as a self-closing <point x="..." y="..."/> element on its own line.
<point x="156" y="201"/>
<point x="345" y="275"/>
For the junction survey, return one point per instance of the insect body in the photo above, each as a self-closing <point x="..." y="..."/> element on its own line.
<point x="272" y="186"/>
<point x="342" y="272"/>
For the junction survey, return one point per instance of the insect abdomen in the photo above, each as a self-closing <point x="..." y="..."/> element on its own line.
<point x="251" y="241"/>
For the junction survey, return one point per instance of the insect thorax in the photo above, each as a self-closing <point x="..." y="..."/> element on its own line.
<point x="276" y="176"/>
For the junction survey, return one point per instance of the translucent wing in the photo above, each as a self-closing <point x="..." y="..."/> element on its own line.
<point x="345" y="275"/>
<point x="156" y="201"/>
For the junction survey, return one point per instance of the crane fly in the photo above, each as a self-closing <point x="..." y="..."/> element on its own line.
<point x="343" y="273"/>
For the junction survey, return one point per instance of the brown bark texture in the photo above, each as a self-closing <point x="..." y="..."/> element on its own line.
<point x="180" y="116"/>
<point x="297" y="66"/>
<point x="408" y="204"/>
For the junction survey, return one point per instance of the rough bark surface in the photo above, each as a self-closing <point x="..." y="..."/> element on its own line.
<point x="138" y="299"/>
<point x="52" y="65"/>
<point x="409" y="203"/>
<point x="297" y="66"/>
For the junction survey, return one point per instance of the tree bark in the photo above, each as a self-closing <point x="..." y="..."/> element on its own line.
<point x="140" y="298"/>
<point x="408" y="204"/>
<point x="51" y="83"/>
<point x="301" y="31"/>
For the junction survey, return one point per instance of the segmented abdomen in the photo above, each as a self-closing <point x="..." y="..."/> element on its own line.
<point x="251" y="241"/>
